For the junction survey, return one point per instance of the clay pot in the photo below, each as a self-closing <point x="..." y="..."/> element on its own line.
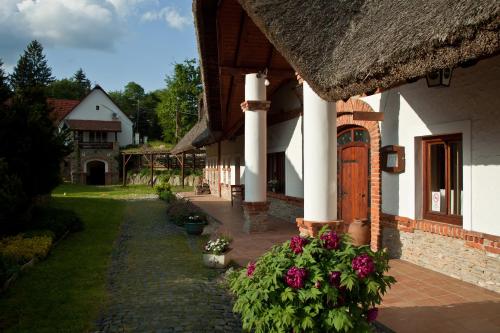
<point x="360" y="232"/>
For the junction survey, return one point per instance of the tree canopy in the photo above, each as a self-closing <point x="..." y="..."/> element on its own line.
<point x="76" y="87"/>
<point x="31" y="70"/>
<point x="180" y="100"/>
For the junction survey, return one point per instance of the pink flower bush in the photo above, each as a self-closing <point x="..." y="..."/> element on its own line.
<point x="331" y="240"/>
<point x="250" y="268"/>
<point x="297" y="243"/>
<point x="334" y="279"/>
<point x="372" y="314"/>
<point x="363" y="265"/>
<point x="295" y="277"/>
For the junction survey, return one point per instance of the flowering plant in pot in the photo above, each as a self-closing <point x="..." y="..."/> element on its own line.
<point x="321" y="284"/>
<point x="216" y="252"/>
<point x="195" y="223"/>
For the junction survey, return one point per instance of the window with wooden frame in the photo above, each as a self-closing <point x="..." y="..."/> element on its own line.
<point x="276" y="172"/>
<point x="443" y="178"/>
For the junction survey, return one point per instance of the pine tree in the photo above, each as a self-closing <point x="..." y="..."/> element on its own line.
<point x="31" y="71"/>
<point x="83" y="83"/>
<point x="4" y="87"/>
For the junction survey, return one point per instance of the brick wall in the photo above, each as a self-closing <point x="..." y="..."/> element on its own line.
<point x="466" y="255"/>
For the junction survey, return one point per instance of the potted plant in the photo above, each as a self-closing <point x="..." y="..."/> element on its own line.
<point x="216" y="252"/>
<point x="195" y="224"/>
<point x="320" y="284"/>
<point x="273" y="184"/>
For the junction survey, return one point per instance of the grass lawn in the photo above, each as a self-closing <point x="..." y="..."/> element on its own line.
<point x="66" y="291"/>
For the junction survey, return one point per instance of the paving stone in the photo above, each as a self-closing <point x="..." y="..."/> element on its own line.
<point x="157" y="281"/>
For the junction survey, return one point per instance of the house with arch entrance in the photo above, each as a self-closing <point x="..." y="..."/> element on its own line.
<point x="328" y="115"/>
<point x="98" y="129"/>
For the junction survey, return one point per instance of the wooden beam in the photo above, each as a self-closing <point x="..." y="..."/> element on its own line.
<point x="272" y="73"/>
<point x="182" y="168"/>
<point x="152" y="168"/>
<point x="368" y="116"/>
<point x="124" y="175"/>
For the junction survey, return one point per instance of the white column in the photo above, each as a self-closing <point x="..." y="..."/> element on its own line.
<point x="255" y="138"/>
<point x="320" y="158"/>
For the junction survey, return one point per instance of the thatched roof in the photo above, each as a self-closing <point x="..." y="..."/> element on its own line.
<point x="343" y="48"/>
<point x="199" y="135"/>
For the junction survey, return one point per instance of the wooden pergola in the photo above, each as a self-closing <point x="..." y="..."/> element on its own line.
<point x="149" y="154"/>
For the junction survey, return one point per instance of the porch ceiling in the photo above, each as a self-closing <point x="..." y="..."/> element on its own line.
<point x="240" y="48"/>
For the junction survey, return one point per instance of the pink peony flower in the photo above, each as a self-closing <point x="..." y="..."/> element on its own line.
<point x="334" y="279"/>
<point x="317" y="285"/>
<point x="372" y="314"/>
<point x="331" y="240"/>
<point x="297" y="243"/>
<point x="295" y="277"/>
<point x="363" y="265"/>
<point x="250" y="268"/>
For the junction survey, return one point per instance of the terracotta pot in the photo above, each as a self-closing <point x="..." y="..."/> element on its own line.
<point x="360" y="232"/>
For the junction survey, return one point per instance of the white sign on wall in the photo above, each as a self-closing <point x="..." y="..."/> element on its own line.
<point x="436" y="201"/>
<point x="392" y="160"/>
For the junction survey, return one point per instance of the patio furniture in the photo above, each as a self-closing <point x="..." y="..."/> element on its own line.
<point x="237" y="190"/>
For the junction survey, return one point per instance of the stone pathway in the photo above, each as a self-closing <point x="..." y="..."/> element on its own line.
<point x="157" y="281"/>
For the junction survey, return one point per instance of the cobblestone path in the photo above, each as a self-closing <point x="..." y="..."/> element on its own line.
<point x="157" y="281"/>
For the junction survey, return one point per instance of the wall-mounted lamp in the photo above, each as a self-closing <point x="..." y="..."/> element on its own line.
<point x="440" y="77"/>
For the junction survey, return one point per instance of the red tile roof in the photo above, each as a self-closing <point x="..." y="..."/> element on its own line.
<point x="94" y="125"/>
<point x="61" y="108"/>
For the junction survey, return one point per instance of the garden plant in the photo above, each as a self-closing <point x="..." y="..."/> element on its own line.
<point x="321" y="284"/>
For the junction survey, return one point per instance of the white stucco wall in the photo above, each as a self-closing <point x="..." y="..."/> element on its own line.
<point x="86" y="110"/>
<point x="471" y="106"/>
<point x="287" y="137"/>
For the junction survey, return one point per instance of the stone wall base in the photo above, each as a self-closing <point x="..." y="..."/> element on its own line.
<point x="255" y="215"/>
<point x="444" y="254"/>
<point x="285" y="207"/>
<point x="310" y="228"/>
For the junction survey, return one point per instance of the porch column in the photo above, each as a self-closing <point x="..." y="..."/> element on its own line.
<point x="255" y="107"/>
<point x="320" y="164"/>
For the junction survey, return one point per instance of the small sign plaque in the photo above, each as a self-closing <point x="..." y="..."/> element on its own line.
<point x="436" y="201"/>
<point x="392" y="160"/>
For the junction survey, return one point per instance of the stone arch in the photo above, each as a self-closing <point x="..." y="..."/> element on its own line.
<point x="345" y="118"/>
<point x="106" y="164"/>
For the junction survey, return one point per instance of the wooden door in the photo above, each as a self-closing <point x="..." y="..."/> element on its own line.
<point x="353" y="191"/>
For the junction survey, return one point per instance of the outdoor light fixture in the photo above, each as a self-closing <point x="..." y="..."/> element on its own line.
<point x="441" y="77"/>
<point x="267" y="83"/>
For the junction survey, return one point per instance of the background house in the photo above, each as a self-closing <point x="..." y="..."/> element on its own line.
<point x="98" y="129"/>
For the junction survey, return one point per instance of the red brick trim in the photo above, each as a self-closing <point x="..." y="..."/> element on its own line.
<point x="255" y="105"/>
<point x="478" y="240"/>
<point x="312" y="228"/>
<point x="299" y="202"/>
<point x="346" y="119"/>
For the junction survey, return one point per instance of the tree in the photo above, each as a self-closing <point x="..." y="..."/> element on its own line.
<point x="179" y="101"/>
<point x="31" y="71"/>
<point x="4" y="86"/>
<point x="31" y="147"/>
<point x="76" y="87"/>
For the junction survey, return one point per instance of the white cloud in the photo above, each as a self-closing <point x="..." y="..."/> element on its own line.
<point x="87" y="24"/>
<point x="170" y="15"/>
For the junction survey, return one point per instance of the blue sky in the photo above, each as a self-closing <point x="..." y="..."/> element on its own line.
<point x="114" y="41"/>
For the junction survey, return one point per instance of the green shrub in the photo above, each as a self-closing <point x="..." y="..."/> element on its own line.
<point x="167" y="196"/>
<point x="20" y="250"/>
<point x="57" y="220"/>
<point x="7" y="268"/>
<point x="162" y="187"/>
<point x="321" y="284"/>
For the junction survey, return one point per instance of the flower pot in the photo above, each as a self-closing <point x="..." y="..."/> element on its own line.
<point x="360" y="232"/>
<point x="194" y="228"/>
<point x="216" y="260"/>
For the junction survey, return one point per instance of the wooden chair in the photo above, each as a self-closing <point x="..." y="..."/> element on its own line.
<point x="237" y="190"/>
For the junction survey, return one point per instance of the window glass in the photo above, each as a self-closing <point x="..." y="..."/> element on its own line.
<point x="437" y="181"/>
<point x="456" y="187"/>
<point x="361" y="135"/>
<point x="344" y="138"/>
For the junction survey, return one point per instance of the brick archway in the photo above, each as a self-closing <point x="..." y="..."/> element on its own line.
<point x="345" y="118"/>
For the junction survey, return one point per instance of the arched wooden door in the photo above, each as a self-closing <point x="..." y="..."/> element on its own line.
<point x="353" y="170"/>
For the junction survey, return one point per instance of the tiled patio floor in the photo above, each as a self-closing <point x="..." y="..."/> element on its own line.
<point x="421" y="301"/>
